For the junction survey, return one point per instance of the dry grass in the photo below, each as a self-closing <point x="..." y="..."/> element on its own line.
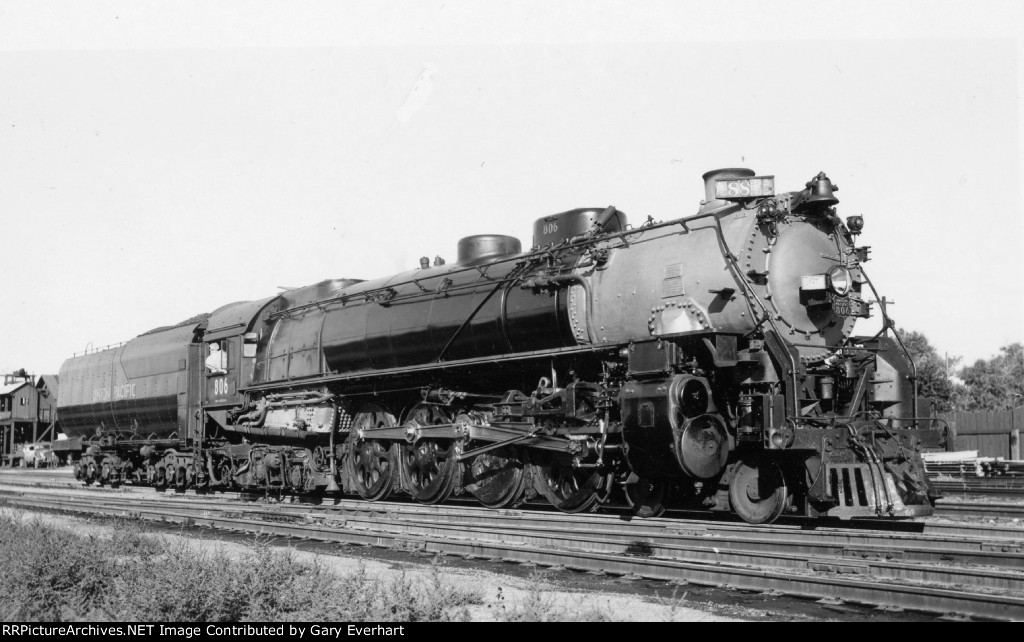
<point x="540" y="606"/>
<point x="54" y="575"/>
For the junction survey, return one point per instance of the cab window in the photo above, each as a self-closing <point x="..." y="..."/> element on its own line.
<point x="249" y="343"/>
<point x="216" y="358"/>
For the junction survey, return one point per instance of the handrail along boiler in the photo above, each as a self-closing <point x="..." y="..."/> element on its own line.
<point x="706" y="361"/>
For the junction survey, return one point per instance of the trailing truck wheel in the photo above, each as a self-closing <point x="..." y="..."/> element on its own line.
<point x="226" y="474"/>
<point x="757" y="491"/>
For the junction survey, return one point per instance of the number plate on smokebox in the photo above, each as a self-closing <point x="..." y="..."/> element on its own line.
<point x="848" y="307"/>
<point x="742" y="188"/>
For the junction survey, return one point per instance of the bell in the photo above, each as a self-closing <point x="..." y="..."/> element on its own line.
<point x="820" y="191"/>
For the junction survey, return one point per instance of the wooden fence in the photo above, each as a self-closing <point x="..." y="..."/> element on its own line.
<point x="991" y="433"/>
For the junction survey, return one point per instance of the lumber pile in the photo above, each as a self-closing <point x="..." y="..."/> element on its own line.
<point x="966" y="463"/>
<point x="1002" y="467"/>
<point x="955" y="465"/>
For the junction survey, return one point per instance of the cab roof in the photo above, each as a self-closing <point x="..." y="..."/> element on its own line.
<point x="235" y="318"/>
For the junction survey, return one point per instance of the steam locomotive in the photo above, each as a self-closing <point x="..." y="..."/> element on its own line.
<point x="707" y="361"/>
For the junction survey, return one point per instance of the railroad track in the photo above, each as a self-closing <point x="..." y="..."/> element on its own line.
<point x="978" y="575"/>
<point x="950" y="508"/>
<point x="61" y="479"/>
<point x="667" y="538"/>
<point x="994" y="487"/>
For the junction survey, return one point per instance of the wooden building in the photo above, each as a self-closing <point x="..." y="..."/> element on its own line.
<point x="28" y="412"/>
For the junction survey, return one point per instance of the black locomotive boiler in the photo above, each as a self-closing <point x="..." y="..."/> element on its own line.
<point x="707" y="361"/>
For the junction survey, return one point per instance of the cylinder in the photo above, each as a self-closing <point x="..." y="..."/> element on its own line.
<point x="702" y="446"/>
<point x="693" y="398"/>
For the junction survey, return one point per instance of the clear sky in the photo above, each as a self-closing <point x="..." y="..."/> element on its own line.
<point x="158" y="160"/>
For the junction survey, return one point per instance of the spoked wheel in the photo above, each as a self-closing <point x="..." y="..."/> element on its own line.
<point x="758" y="491"/>
<point x="371" y="461"/>
<point x="646" y="498"/>
<point x="227" y="474"/>
<point x="497" y="478"/>
<point x="428" y="466"/>
<point x="570" y="490"/>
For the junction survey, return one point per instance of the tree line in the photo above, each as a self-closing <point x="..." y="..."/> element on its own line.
<point x="988" y="384"/>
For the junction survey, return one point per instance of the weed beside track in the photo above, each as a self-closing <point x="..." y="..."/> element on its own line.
<point x="54" y="575"/>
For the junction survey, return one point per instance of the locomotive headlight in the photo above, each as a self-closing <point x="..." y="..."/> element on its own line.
<point x="840" y="280"/>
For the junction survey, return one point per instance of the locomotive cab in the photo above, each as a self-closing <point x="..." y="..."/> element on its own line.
<point x="229" y="369"/>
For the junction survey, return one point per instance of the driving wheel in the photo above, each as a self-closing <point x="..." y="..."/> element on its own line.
<point x="570" y="490"/>
<point x="429" y="467"/>
<point x="497" y="478"/>
<point x="371" y="461"/>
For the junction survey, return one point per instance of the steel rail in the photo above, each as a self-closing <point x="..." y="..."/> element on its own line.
<point x="983" y="486"/>
<point x="774" y="549"/>
<point x="959" y="534"/>
<point x="161" y="513"/>
<point x="979" y="509"/>
<point x="813" y="584"/>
